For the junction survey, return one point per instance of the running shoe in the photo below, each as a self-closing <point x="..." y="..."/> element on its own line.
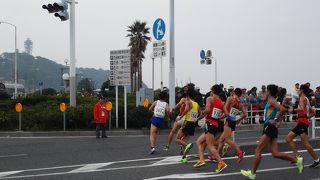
<point x="152" y="151"/>
<point x="166" y="148"/>
<point x="212" y="158"/>
<point x="221" y="166"/>
<point x="315" y="164"/>
<point x="300" y="164"/>
<point x="199" y="164"/>
<point x="184" y="160"/>
<point x="240" y="156"/>
<point x="188" y="148"/>
<point x="224" y="150"/>
<point x="248" y="174"/>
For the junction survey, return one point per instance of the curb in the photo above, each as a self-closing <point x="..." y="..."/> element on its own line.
<point x="253" y="127"/>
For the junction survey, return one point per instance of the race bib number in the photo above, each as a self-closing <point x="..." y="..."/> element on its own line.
<point x="194" y="116"/>
<point x="216" y="113"/>
<point x="233" y="114"/>
<point x="159" y="112"/>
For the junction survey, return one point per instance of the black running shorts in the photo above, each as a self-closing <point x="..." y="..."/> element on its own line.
<point x="209" y="128"/>
<point x="189" y="128"/>
<point x="300" y="129"/>
<point x="270" y="130"/>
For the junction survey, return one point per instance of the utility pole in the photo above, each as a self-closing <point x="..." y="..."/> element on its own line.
<point x="73" y="101"/>
<point x="172" y="54"/>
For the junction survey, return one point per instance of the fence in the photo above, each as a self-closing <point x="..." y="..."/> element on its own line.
<point x="313" y="125"/>
<point x="254" y="114"/>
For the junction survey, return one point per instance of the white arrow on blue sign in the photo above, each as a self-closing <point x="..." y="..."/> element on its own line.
<point x="202" y="54"/>
<point x="159" y="29"/>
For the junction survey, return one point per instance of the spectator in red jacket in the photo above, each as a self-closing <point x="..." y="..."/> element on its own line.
<point x="100" y="117"/>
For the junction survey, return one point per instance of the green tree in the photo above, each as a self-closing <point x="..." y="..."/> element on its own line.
<point x="85" y="86"/>
<point x="138" y="34"/>
<point x="49" y="92"/>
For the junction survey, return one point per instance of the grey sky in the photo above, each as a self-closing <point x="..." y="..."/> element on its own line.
<point x="255" y="41"/>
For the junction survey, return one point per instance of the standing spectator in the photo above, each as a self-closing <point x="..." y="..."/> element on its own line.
<point x="244" y="99"/>
<point x="296" y="90"/>
<point x="317" y="101"/>
<point x="262" y="98"/>
<point x="224" y="94"/>
<point x="230" y="91"/>
<point x="281" y="97"/>
<point x="253" y="98"/>
<point x="100" y="117"/>
<point x="310" y="92"/>
<point x="199" y="97"/>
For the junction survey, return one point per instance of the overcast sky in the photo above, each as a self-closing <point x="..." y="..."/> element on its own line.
<point x="255" y="42"/>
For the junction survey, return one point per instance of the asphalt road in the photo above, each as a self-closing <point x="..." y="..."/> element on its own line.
<point x="127" y="157"/>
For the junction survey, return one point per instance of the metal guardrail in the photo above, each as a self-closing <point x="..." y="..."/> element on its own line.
<point x="313" y="125"/>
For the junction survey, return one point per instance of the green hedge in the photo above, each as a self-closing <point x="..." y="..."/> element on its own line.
<point x="41" y="113"/>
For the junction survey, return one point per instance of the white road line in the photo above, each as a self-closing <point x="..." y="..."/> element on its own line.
<point x="13" y="155"/>
<point x="210" y="175"/>
<point x="117" y="168"/>
<point x="90" y="167"/>
<point x="3" y="174"/>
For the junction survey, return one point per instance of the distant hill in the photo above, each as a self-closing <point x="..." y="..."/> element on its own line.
<point x="32" y="70"/>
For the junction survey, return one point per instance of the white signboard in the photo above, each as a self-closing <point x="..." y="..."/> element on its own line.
<point x="120" y="68"/>
<point x="159" y="49"/>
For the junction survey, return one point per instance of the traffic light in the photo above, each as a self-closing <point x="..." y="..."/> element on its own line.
<point x="59" y="9"/>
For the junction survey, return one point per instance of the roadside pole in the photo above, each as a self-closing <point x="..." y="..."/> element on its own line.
<point x="110" y="119"/>
<point x="172" y="60"/>
<point x="117" y="108"/>
<point x="161" y="74"/>
<point x="18" y="108"/>
<point x="125" y="107"/>
<point x="73" y="102"/>
<point x="153" y="74"/>
<point x="19" y="121"/>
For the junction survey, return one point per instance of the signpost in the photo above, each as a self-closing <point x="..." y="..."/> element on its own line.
<point x="145" y="103"/>
<point x="109" y="108"/>
<point x="40" y="86"/>
<point x="63" y="109"/>
<point x="120" y="69"/>
<point x="159" y="46"/>
<point x="18" y="108"/>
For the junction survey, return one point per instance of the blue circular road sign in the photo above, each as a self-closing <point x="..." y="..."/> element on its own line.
<point x="159" y="29"/>
<point x="202" y="54"/>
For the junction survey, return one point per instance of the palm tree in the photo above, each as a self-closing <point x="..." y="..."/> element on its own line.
<point x="138" y="33"/>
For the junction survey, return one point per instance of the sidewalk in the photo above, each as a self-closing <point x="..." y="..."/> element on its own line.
<point x="119" y="132"/>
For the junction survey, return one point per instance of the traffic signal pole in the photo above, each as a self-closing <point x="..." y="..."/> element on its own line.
<point x="73" y="102"/>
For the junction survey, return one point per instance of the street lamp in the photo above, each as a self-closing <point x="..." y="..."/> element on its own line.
<point x="15" y="58"/>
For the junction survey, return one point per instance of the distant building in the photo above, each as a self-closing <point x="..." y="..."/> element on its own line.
<point x="9" y="88"/>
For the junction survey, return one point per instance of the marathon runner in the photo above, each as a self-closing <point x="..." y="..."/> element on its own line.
<point x="161" y="110"/>
<point x="213" y="113"/>
<point x="233" y="107"/>
<point x="179" y="120"/>
<point x="305" y="112"/>
<point x="273" y="114"/>
<point x="191" y="114"/>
